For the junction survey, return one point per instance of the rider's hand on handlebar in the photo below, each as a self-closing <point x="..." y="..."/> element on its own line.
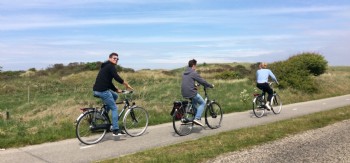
<point x="128" y="86"/>
<point x="119" y="91"/>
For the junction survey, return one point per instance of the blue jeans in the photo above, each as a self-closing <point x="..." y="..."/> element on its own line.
<point x="109" y="97"/>
<point x="198" y="100"/>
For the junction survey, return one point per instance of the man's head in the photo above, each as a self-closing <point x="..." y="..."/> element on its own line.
<point x="113" y="57"/>
<point x="192" y="63"/>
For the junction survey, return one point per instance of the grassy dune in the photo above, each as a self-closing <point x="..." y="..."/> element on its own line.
<point x="45" y="108"/>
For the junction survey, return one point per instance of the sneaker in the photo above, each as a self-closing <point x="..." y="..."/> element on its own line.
<point x="268" y="107"/>
<point x="118" y="132"/>
<point x="198" y="122"/>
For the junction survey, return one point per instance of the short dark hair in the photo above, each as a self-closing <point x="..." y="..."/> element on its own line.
<point x="113" y="54"/>
<point x="192" y="62"/>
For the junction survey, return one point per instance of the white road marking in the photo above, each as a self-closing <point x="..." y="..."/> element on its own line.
<point x="324" y="103"/>
<point x="295" y="108"/>
<point x="88" y="146"/>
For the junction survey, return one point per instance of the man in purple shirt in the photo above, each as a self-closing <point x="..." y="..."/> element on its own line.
<point x="189" y="90"/>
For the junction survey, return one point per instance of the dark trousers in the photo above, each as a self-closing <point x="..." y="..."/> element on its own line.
<point x="265" y="88"/>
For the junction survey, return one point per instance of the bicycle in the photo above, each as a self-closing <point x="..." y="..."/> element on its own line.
<point x="184" y="113"/>
<point x="259" y="102"/>
<point x="93" y="123"/>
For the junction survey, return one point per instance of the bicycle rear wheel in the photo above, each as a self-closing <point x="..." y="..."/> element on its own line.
<point x="182" y="122"/>
<point x="135" y="121"/>
<point x="91" y="127"/>
<point x="258" y="107"/>
<point x="276" y="104"/>
<point x="213" y="115"/>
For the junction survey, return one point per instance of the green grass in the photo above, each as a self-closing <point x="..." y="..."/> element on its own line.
<point x="54" y="101"/>
<point x="207" y="148"/>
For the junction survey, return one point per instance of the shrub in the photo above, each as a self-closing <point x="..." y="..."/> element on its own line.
<point x="297" y="71"/>
<point x="293" y="76"/>
<point x="32" y="69"/>
<point x="241" y="70"/>
<point x="93" y="65"/>
<point x="228" y="75"/>
<point x="312" y="62"/>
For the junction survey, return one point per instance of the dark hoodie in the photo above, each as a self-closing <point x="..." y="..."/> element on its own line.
<point x="189" y="77"/>
<point x="104" y="79"/>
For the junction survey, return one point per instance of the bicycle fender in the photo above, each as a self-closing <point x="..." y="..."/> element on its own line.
<point x="134" y="106"/>
<point x="82" y="114"/>
<point x="79" y="117"/>
<point x="210" y="102"/>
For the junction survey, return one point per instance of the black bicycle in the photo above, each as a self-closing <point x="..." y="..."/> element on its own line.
<point x="259" y="102"/>
<point x="93" y="124"/>
<point x="184" y="113"/>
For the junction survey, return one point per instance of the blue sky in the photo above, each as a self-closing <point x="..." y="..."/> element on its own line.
<point x="165" y="34"/>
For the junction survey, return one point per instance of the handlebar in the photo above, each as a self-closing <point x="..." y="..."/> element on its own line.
<point x="270" y="83"/>
<point x="197" y="85"/>
<point x="127" y="92"/>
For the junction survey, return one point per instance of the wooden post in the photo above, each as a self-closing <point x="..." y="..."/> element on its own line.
<point x="7" y="115"/>
<point x="28" y="94"/>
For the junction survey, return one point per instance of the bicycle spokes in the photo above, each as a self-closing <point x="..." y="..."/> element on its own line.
<point x="212" y="113"/>
<point x="132" y="113"/>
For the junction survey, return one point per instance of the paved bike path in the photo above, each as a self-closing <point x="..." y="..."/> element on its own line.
<point x="161" y="135"/>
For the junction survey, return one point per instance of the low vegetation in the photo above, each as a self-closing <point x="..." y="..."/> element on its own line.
<point x="43" y="104"/>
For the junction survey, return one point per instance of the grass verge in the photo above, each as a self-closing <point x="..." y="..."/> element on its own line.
<point x="212" y="146"/>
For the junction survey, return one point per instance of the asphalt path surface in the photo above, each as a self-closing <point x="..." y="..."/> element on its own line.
<point x="72" y="150"/>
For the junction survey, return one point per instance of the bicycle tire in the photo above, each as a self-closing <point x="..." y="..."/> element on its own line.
<point x="182" y="122"/>
<point x="258" y="107"/>
<point x="213" y="115"/>
<point x="276" y="104"/>
<point x="85" y="131"/>
<point x="135" y="121"/>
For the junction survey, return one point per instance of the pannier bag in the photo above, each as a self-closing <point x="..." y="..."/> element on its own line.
<point x="179" y="106"/>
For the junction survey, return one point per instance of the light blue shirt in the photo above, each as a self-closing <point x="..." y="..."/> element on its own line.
<point x="262" y="76"/>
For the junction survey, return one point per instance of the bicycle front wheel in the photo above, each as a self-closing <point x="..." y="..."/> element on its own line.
<point x="213" y="115"/>
<point x="258" y="107"/>
<point x="91" y="127"/>
<point x="135" y="121"/>
<point x="276" y="104"/>
<point x="182" y="122"/>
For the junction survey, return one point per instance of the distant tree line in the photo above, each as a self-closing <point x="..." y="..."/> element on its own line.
<point x="61" y="70"/>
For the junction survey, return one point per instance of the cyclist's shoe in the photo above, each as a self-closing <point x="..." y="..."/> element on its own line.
<point x="118" y="132"/>
<point x="268" y="107"/>
<point x="198" y="122"/>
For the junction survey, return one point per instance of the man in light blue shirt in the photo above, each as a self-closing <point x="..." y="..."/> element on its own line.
<point x="262" y="78"/>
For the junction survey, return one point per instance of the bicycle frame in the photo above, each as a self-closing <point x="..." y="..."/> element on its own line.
<point x="103" y="109"/>
<point x="207" y="102"/>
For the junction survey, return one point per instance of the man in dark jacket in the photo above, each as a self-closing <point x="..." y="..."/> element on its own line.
<point x="105" y="89"/>
<point x="189" y="90"/>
